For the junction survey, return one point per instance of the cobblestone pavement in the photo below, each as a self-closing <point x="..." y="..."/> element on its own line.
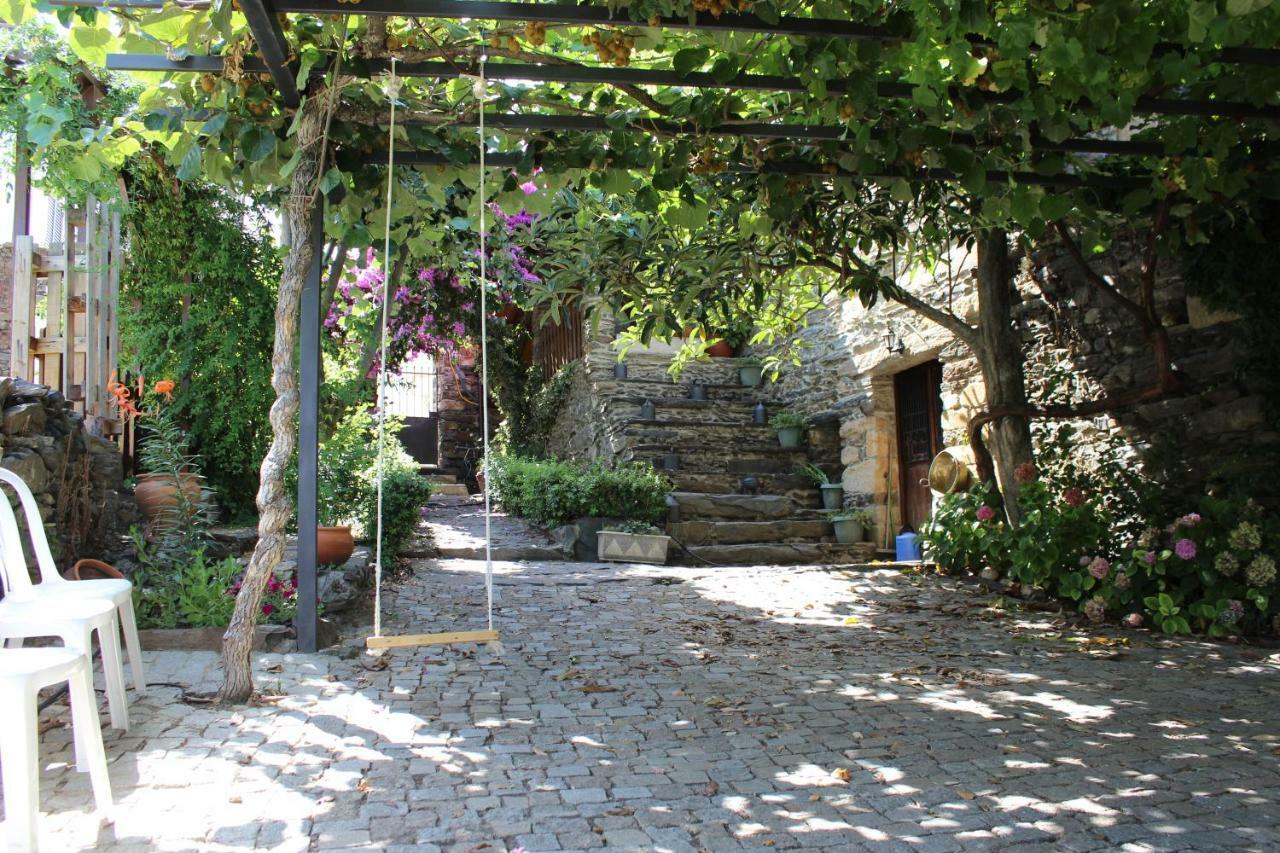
<point x="678" y="709"/>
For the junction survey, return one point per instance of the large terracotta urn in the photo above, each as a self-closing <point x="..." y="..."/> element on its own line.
<point x="334" y="545"/>
<point x="157" y="494"/>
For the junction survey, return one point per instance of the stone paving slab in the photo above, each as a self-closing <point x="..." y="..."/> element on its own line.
<point x="681" y="710"/>
<point x="456" y="528"/>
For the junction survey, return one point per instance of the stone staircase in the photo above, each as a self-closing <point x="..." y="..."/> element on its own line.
<point x="442" y="484"/>
<point x="738" y="499"/>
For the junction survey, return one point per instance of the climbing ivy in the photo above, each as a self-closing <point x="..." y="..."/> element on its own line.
<point x="197" y="305"/>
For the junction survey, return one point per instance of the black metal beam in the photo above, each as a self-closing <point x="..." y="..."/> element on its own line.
<point x="261" y="15"/>
<point x="772" y="130"/>
<point x="589" y="14"/>
<point x="161" y="63"/>
<point x="695" y="80"/>
<point x="799" y="168"/>
<point x="309" y="435"/>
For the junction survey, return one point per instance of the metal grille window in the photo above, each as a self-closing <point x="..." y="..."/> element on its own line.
<point x="415" y="392"/>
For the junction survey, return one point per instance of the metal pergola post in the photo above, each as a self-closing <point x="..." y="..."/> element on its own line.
<point x="309" y="436"/>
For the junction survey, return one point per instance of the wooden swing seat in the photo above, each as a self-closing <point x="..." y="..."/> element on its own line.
<point x="431" y="639"/>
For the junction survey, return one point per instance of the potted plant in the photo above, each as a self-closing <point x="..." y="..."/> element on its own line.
<point x="633" y="542"/>
<point x="169" y="488"/>
<point x="737" y="333"/>
<point x="790" y="428"/>
<point x="832" y="493"/>
<point x="750" y="371"/>
<point x="849" y="525"/>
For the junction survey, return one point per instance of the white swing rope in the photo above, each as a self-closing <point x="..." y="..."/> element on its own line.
<point x="480" y="91"/>
<point x="393" y="94"/>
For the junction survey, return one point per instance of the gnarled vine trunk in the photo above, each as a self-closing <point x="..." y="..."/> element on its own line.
<point x="1000" y="357"/>
<point x="275" y="505"/>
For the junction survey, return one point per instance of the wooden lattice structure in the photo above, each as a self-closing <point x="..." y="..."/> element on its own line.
<point x="65" y="295"/>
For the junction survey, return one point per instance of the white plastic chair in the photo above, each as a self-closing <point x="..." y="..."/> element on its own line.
<point x="23" y="672"/>
<point x="25" y="612"/>
<point x="118" y="591"/>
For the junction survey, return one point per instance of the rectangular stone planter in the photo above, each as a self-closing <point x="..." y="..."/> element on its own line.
<point x="633" y="547"/>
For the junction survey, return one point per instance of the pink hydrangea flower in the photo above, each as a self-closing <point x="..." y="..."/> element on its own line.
<point x="528" y="188"/>
<point x="1099" y="567"/>
<point x="1185" y="548"/>
<point x="986" y="513"/>
<point x="1073" y="497"/>
<point x="1191" y="519"/>
<point x="1026" y="472"/>
<point x="1149" y="558"/>
<point x="1133" y="620"/>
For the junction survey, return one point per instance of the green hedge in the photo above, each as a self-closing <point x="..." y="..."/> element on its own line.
<point x="552" y="493"/>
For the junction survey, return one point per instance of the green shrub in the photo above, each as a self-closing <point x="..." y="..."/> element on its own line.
<point x="551" y="493"/>
<point x="404" y="493"/>
<point x="197" y="593"/>
<point x="1211" y="571"/>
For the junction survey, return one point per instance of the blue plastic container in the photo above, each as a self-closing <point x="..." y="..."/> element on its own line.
<point x="908" y="548"/>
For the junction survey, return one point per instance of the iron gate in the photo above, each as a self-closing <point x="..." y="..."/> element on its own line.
<point x="415" y="396"/>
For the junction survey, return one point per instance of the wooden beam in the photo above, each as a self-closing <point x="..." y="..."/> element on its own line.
<point x="20" y="306"/>
<point x="431" y="639"/>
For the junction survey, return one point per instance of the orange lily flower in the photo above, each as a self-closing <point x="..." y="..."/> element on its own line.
<point x="165" y="387"/>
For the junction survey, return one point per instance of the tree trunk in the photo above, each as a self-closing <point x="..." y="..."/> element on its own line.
<point x="274" y="502"/>
<point x="999" y="352"/>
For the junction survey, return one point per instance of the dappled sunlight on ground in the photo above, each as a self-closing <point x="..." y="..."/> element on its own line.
<point x="650" y="708"/>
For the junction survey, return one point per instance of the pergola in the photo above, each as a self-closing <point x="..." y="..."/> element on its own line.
<point x="262" y="16"/>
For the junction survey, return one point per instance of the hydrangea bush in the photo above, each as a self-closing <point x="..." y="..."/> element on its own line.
<point x="1210" y="571"/>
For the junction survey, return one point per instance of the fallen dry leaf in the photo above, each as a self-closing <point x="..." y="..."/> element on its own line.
<point x="711" y="789"/>
<point x="592" y="687"/>
<point x="966" y="795"/>
<point x="842" y="773"/>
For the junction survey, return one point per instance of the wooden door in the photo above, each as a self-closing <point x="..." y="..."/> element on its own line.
<point x="918" y="400"/>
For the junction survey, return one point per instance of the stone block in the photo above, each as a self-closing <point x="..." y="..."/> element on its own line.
<point x="24" y="419"/>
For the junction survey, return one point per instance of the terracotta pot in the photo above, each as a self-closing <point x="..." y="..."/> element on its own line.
<point x="720" y="349"/>
<point x="334" y="545"/>
<point x="157" y="493"/>
<point x="89" y="569"/>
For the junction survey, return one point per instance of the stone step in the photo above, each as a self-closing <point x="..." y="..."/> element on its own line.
<point x="657" y="391"/>
<point x="693" y="506"/>
<point x="626" y="407"/>
<point x="798" y="489"/>
<point x="441" y="479"/>
<point x="453" y="490"/>
<point x="721" y="371"/>
<point x="788" y="530"/>
<point x="774" y="554"/>
<point x="732" y="438"/>
<point x="724" y="459"/>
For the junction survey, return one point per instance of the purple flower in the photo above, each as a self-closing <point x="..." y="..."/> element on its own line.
<point x="468" y="306"/>
<point x="459" y="328"/>
<point x="424" y="275"/>
<point x="1149" y="558"/>
<point x="1185" y="548"/>
<point x="1099" y="567"/>
<point x="1191" y="519"/>
<point x="529" y="188"/>
<point x="986" y="513"/>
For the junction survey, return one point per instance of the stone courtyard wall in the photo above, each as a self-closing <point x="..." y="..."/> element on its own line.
<point x="77" y="478"/>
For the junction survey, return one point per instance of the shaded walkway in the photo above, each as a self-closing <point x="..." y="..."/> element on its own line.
<point x="676" y="709"/>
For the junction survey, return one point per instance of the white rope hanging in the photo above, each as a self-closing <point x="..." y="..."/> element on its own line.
<point x="393" y="95"/>
<point x="490" y="635"/>
<point x="480" y="90"/>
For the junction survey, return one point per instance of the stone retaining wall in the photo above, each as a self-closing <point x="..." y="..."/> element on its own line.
<point x="77" y="478"/>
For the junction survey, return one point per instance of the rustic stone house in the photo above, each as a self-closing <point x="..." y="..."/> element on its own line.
<point x="886" y="390"/>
